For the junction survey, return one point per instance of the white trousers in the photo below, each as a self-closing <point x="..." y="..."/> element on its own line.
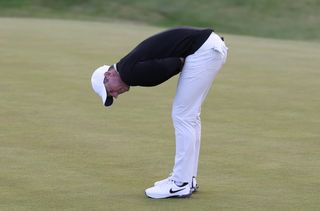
<point x="194" y="83"/>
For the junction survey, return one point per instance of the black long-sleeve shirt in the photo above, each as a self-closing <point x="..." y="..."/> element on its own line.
<point x="157" y="58"/>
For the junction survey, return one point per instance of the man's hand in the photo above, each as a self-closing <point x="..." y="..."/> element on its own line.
<point x="182" y="60"/>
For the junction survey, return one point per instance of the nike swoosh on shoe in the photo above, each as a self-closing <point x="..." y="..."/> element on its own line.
<point x="175" y="191"/>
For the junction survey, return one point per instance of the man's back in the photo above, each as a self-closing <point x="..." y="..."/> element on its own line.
<point x="157" y="58"/>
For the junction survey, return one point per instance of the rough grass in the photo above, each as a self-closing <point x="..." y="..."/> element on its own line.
<point x="284" y="19"/>
<point x="61" y="150"/>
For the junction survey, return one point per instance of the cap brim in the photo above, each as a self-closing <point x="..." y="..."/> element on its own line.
<point x="108" y="101"/>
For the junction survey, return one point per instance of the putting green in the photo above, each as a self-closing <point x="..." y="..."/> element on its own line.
<point x="61" y="150"/>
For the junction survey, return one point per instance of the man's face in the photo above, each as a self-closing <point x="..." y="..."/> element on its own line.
<point x="114" y="84"/>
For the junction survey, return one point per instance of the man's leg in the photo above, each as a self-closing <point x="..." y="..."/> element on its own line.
<point x="193" y="85"/>
<point x="197" y="146"/>
<point x="198" y="133"/>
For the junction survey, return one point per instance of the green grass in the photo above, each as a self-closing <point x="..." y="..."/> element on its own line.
<point x="284" y="19"/>
<point x="61" y="150"/>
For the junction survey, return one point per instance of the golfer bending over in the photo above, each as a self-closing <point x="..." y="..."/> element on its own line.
<point x="197" y="54"/>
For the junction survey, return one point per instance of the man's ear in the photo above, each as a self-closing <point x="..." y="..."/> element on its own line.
<point x="108" y="73"/>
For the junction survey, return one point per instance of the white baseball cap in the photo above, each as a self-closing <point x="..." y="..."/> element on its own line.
<point x="98" y="85"/>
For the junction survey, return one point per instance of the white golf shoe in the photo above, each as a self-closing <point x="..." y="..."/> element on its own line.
<point x="168" y="189"/>
<point x="194" y="186"/>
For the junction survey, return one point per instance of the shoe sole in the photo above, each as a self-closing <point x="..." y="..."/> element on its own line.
<point x="193" y="189"/>
<point x="173" y="196"/>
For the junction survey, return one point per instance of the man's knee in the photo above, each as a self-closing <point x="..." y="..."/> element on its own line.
<point x="183" y="117"/>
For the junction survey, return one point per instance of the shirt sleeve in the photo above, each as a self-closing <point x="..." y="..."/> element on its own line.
<point x="152" y="72"/>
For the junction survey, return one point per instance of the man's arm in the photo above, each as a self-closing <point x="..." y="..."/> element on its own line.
<point x="154" y="72"/>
